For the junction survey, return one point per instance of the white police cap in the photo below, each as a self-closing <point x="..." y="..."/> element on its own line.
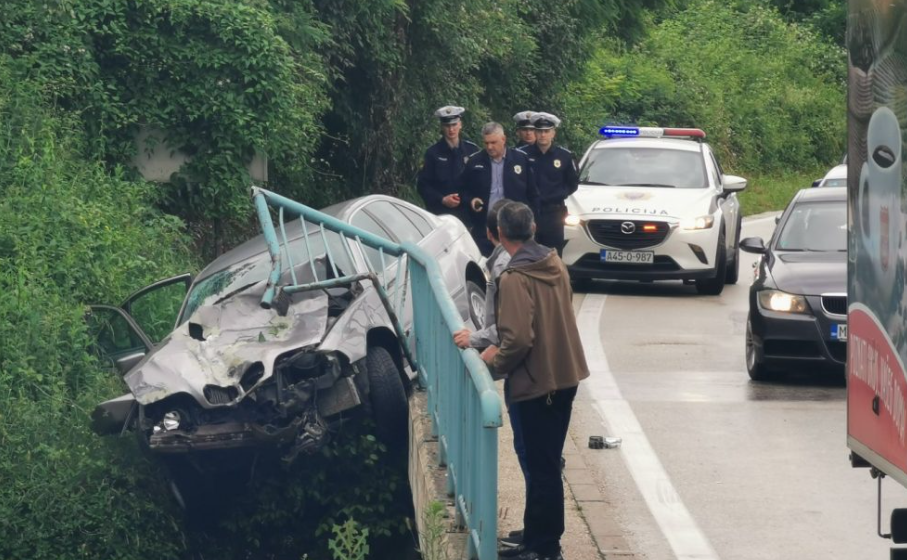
<point x="545" y="121"/>
<point x="524" y="119"/>
<point x="449" y="114"/>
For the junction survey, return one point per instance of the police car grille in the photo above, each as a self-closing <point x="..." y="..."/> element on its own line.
<point x="835" y="305"/>
<point x="612" y="233"/>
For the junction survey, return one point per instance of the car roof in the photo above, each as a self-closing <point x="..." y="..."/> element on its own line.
<point x="829" y="194"/>
<point x="256" y="245"/>
<point x="670" y="143"/>
<point x="837" y="172"/>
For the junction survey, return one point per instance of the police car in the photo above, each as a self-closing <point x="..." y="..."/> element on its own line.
<point x="654" y="204"/>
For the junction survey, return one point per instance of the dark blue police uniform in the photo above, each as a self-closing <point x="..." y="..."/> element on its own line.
<point x="438" y="176"/>
<point x="556" y="178"/>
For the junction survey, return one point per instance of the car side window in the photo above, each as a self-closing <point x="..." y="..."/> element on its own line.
<point x="364" y="221"/>
<point x="715" y="170"/>
<point x="420" y="221"/>
<point x="395" y="220"/>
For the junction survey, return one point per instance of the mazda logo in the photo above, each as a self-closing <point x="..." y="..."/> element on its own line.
<point x="627" y="228"/>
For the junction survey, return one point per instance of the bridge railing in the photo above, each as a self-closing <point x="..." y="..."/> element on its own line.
<point x="464" y="406"/>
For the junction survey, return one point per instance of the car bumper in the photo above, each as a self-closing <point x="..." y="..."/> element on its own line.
<point x="681" y="255"/>
<point x="796" y="341"/>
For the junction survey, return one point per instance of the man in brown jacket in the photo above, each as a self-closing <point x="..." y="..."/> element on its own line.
<point x="542" y="357"/>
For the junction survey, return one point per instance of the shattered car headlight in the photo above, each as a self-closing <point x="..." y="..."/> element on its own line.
<point x="170" y="422"/>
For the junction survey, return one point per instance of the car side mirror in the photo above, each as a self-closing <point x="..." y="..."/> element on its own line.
<point x="753" y="245"/>
<point x="816" y="182"/>
<point x="733" y="183"/>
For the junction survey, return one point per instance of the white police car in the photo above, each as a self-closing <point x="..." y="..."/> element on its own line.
<point x="654" y="204"/>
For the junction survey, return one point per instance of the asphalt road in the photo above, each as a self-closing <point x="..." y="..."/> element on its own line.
<point x="712" y="464"/>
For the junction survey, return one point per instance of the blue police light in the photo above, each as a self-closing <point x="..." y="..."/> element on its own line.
<point x="611" y="131"/>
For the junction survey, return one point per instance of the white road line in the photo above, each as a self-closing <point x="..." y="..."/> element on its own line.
<point x="680" y="529"/>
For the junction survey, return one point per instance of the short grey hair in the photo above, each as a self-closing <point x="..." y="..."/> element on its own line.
<point x="516" y="222"/>
<point x="492" y="128"/>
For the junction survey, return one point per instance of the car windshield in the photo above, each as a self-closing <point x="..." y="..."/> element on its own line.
<point x="655" y="167"/>
<point x="245" y="274"/>
<point x="815" y="226"/>
<point x="835" y="182"/>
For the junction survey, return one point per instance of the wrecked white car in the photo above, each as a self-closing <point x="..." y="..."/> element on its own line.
<point x="234" y="379"/>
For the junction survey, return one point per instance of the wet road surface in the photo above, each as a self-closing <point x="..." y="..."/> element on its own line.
<point x="714" y="465"/>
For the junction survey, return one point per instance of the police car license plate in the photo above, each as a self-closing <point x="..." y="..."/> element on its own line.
<point x="628" y="257"/>
<point x="839" y="332"/>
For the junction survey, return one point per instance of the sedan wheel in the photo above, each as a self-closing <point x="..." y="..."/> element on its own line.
<point x="755" y="368"/>
<point x="476" y="297"/>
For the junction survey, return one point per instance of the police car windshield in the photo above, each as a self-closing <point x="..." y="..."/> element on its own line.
<point x="815" y="226"/>
<point x="644" y="167"/>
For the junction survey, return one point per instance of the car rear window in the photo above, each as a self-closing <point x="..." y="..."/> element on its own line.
<point x="815" y="226"/>
<point x="645" y="166"/>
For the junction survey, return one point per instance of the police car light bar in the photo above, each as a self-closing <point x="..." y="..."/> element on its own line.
<point x="649" y="132"/>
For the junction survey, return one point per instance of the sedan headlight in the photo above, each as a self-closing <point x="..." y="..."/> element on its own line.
<point x="776" y="300"/>
<point x="171" y="421"/>
<point x="572" y="220"/>
<point x="702" y="222"/>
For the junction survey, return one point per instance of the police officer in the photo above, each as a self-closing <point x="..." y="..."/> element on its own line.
<point x="556" y="177"/>
<point x="444" y="161"/>
<point x="492" y="174"/>
<point x="524" y="129"/>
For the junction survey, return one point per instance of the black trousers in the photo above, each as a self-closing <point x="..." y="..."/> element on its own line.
<point x="550" y="228"/>
<point x="544" y="421"/>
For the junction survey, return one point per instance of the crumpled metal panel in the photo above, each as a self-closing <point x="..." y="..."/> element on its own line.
<point x="237" y="333"/>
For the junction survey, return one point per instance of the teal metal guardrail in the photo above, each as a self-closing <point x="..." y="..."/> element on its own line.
<point x="464" y="405"/>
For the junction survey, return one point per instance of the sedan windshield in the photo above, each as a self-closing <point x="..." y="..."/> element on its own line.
<point x="240" y="276"/>
<point x="645" y="167"/>
<point x="815" y="226"/>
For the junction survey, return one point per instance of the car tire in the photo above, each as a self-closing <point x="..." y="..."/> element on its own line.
<point x="733" y="267"/>
<point x="387" y="398"/>
<point x="756" y="369"/>
<point x="715" y="285"/>
<point x="475" y="300"/>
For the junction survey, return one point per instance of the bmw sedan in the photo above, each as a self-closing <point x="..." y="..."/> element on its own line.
<point x="221" y="380"/>
<point x="798" y="300"/>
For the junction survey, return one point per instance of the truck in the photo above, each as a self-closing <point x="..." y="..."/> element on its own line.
<point x="877" y="248"/>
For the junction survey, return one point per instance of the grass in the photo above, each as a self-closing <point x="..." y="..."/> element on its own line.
<point x="767" y="193"/>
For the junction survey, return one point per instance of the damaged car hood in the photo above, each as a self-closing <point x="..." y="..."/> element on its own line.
<point x="207" y="356"/>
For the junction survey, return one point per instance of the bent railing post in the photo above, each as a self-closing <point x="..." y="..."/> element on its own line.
<point x="463" y="403"/>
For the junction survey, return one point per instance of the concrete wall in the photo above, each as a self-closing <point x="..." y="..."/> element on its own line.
<point x="429" y="483"/>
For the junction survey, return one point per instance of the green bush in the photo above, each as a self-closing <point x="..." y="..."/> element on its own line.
<point x="69" y="234"/>
<point x="770" y="94"/>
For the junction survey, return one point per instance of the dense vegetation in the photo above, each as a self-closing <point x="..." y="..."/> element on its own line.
<point x="339" y="95"/>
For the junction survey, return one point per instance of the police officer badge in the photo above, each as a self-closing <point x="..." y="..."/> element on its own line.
<point x="517" y="169"/>
<point x="557" y="164"/>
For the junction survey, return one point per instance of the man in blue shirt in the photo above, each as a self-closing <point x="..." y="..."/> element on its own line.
<point x="492" y="174"/>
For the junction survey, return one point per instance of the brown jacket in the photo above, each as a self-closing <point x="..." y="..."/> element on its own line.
<point x="540" y="348"/>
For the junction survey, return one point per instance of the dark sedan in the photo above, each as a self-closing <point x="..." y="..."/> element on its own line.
<point x="798" y="300"/>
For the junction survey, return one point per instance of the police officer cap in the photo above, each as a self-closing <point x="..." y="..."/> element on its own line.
<point x="544" y="121"/>
<point x="449" y="114"/>
<point x="523" y="119"/>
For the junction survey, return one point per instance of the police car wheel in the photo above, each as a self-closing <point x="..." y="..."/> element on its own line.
<point x="714" y="286"/>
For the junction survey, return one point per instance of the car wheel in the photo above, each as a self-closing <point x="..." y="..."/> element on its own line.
<point x="733" y="266"/>
<point x="714" y="286"/>
<point x="755" y="368"/>
<point x="475" y="296"/>
<point x="387" y="398"/>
